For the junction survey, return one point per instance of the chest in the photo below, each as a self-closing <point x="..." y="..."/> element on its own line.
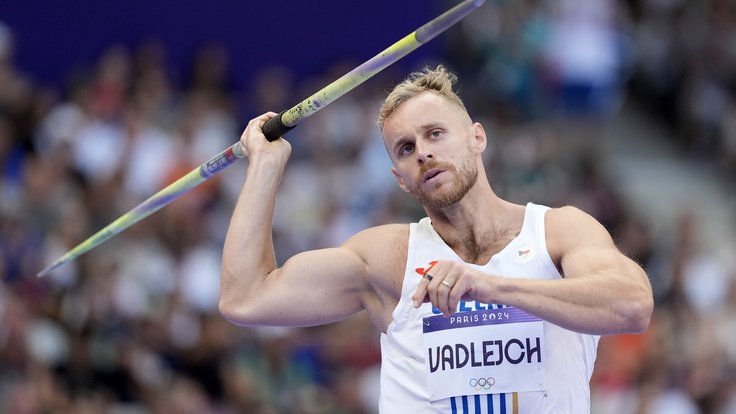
<point x="481" y="252"/>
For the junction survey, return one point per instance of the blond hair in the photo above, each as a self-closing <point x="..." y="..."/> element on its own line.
<point x="439" y="81"/>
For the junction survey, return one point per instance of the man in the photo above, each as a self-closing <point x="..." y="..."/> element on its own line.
<point x="485" y="306"/>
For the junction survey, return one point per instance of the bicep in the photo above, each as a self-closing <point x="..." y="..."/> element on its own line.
<point x="585" y="248"/>
<point x="601" y="261"/>
<point x="311" y="288"/>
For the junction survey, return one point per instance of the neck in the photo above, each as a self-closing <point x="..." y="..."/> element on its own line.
<point x="479" y="225"/>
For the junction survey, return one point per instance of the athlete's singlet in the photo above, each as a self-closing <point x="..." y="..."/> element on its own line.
<point x="486" y="358"/>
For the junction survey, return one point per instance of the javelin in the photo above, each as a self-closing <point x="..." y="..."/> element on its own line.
<point x="274" y="128"/>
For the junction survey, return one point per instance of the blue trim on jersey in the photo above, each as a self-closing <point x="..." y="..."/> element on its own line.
<point x="478" y="404"/>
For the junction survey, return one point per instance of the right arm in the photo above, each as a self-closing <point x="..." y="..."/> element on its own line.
<point x="311" y="288"/>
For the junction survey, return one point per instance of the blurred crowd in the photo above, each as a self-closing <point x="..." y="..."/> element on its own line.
<point x="686" y="59"/>
<point x="133" y="326"/>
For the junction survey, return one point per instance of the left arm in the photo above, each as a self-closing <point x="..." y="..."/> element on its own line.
<point x="602" y="291"/>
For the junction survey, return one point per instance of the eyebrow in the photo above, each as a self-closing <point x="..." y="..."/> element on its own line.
<point x="426" y="127"/>
<point x="432" y="125"/>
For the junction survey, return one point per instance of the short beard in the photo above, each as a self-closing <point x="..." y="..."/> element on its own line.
<point x="438" y="199"/>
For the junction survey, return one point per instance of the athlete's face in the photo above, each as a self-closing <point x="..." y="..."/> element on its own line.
<point x="435" y="148"/>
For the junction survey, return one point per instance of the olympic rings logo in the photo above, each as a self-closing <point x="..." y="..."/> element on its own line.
<point x="482" y="383"/>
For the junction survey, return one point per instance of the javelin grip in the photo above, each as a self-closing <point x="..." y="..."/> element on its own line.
<point x="275" y="128"/>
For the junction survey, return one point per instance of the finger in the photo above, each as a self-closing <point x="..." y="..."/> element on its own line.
<point x="261" y="120"/>
<point x="273" y="129"/>
<point x="421" y="293"/>
<point x="265" y="117"/>
<point x="255" y="128"/>
<point x="456" y="295"/>
<point x="444" y="290"/>
<point x="433" y="288"/>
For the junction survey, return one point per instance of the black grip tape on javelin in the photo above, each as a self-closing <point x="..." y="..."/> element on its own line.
<point x="273" y="129"/>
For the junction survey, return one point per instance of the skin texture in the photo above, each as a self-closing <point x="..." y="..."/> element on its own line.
<point x="436" y="150"/>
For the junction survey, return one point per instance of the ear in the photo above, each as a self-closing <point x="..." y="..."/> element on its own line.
<point x="399" y="179"/>
<point x="480" y="140"/>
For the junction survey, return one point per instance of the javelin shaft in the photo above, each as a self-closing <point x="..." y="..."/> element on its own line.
<point x="152" y="204"/>
<point x="273" y="129"/>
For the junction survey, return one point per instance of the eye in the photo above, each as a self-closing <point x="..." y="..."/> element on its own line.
<point x="436" y="133"/>
<point x="406" y="149"/>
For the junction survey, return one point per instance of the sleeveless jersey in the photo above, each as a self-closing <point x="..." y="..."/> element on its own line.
<point x="514" y="364"/>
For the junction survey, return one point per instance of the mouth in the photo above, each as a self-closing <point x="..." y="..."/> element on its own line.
<point x="429" y="175"/>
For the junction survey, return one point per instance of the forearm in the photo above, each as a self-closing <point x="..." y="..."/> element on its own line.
<point x="248" y="253"/>
<point x="595" y="304"/>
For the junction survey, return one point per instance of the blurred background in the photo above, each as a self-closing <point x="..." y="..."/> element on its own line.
<point x="626" y="109"/>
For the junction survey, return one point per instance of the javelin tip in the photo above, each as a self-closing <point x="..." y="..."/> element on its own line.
<point x="438" y="25"/>
<point x="48" y="269"/>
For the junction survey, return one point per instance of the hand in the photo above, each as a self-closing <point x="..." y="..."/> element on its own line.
<point x="256" y="145"/>
<point x="451" y="282"/>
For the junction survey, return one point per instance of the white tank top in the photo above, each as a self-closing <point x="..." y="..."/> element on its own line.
<point x="561" y="360"/>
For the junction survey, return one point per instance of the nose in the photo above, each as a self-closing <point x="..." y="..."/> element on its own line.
<point x="422" y="153"/>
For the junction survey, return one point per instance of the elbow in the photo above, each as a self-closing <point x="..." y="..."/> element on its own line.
<point x="637" y="314"/>
<point x="636" y="306"/>
<point x="241" y="303"/>
<point x="234" y="312"/>
<point x="231" y="301"/>
<point x="225" y="303"/>
<point x="229" y="314"/>
<point x="226" y="310"/>
<point x="242" y="299"/>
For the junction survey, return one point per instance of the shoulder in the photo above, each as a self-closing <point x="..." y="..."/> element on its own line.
<point x="567" y="216"/>
<point x="569" y="228"/>
<point x="375" y="240"/>
<point x="383" y="250"/>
